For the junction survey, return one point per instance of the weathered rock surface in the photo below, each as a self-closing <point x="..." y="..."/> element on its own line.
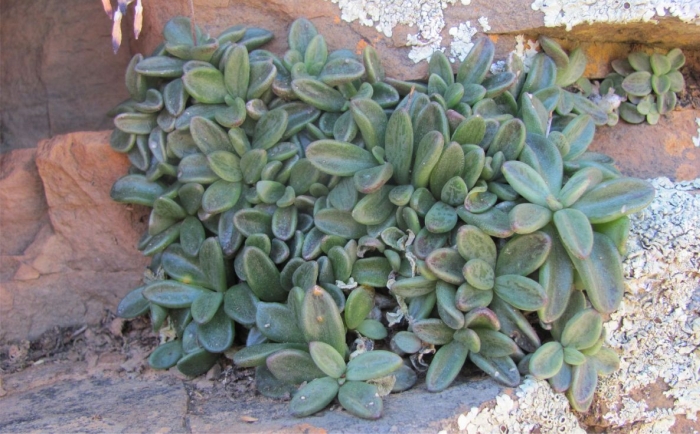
<point x="83" y="259"/>
<point x="506" y="18"/>
<point x="57" y="70"/>
<point x="64" y="398"/>
<point x="650" y="151"/>
<point x="76" y="396"/>
<point x="23" y="210"/>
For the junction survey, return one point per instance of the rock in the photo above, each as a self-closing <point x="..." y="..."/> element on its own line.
<point x="602" y="41"/>
<point x="78" y="171"/>
<point x="23" y="210"/>
<point x="83" y="260"/>
<point x="60" y="398"/>
<point x="650" y="151"/>
<point x="58" y="72"/>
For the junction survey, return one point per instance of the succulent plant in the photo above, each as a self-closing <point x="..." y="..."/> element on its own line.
<point x="649" y="82"/>
<point x="343" y="232"/>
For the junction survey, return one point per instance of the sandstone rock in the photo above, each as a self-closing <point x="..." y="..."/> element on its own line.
<point x="58" y="72"/>
<point x="82" y="261"/>
<point x="78" y="171"/>
<point x="23" y="210"/>
<point x="602" y="42"/>
<point x="650" y="151"/>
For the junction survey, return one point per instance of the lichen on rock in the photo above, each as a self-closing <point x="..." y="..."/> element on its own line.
<point x="570" y="13"/>
<point x="657" y="328"/>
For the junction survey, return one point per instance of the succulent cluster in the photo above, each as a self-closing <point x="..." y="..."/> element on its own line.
<point x="343" y="232"/>
<point x="648" y="82"/>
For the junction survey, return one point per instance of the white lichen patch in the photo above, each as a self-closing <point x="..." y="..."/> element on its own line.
<point x="570" y="13"/>
<point x="484" y="23"/>
<point x="656" y="332"/>
<point x="526" y="50"/>
<point x="426" y="15"/>
<point x="696" y="140"/>
<point x="461" y="43"/>
<point x="537" y="408"/>
<point x="657" y="328"/>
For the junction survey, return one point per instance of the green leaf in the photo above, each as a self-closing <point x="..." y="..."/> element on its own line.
<point x="373" y="329"/>
<point x="413" y="286"/>
<point x="240" y="304"/>
<point x="197" y="363"/>
<point x="339" y="158"/>
<point x="493" y="222"/>
<point x="547" y="361"/>
<point x="255" y="355"/>
<point x="556" y="276"/>
<point x="373" y="65"/>
<point x="320" y="319"/>
<point x="372" y="271"/>
<point x="542" y="74"/>
<point x="133" y="304"/>
<point x="612" y="199"/>
<point x="495" y="344"/>
<point x="327" y="359"/>
<point x="368" y="181"/>
<point x="427" y="156"/>
<point x="472" y="243"/>
<point x="479" y="274"/>
<point x="584" y="380"/>
<point x="313" y="397"/>
<point x="358" y="305"/>
<point x="601" y="274"/>
<point x="262" y="74"/>
<point x="501" y="369"/>
<point x="640" y="61"/>
<point x="526" y="218"/>
<point x="374" y="208"/>
<point x="205" y="306"/>
<point x="477" y="63"/>
<point x="293" y="366"/>
<point x="270" y="129"/>
<point x="447" y="311"/>
<point x="573" y="356"/>
<point x="520" y="292"/>
<point x="446" y="264"/>
<point x="638" y="83"/>
<point x="171" y="294"/>
<point x="372" y="364"/>
<point x="361" y="399"/>
<point x="371" y="120"/>
<point x="575" y="232"/>
<point x="262" y="274"/>
<point x="278" y="323"/>
<point x="527" y="182"/>
<point x="341" y="223"/>
<point x="340" y="71"/>
<point x="445" y="366"/>
<point x="216" y="336"/>
<point x="251" y="221"/>
<point x="509" y="139"/>
<point x="166" y="355"/>
<point x="583" y="330"/>
<point x="318" y="94"/>
<point x="524" y="254"/>
<point x="205" y="84"/>
<point x="160" y="66"/>
<point x="135" y="123"/>
<point x="567" y="75"/>
<point x="433" y="331"/>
